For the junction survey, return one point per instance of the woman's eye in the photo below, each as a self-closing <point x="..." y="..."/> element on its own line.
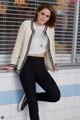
<point x="47" y="16"/>
<point x="42" y="13"/>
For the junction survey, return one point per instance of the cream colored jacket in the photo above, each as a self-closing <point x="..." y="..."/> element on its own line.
<point x="22" y="45"/>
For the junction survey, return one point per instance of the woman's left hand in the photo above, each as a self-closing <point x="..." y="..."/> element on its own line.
<point x="7" y="68"/>
<point x="56" y="67"/>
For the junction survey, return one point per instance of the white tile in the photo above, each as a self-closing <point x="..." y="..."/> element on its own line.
<point x="60" y="104"/>
<point x="71" y="78"/>
<point x="59" y="115"/>
<point x="62" y="78"/>
<point x="78" y="78"/>
<point x="72" y="70"/>
<point x="49" y="106"/>
<point x="15" y="111"/>
<point x="26" y="117"/>
<point x="16" y="84"/>
<point x="7" y="74"/>
<point x="69" y="102"/>
<point x="69" y="113"/>
<point x="63" y="71"/>
<point x="77" y="101"/>
<point x="41" y="115"/>
<point x="5" y="110"/>
<point x="41" y="106"/>
<point x="17" y="118"/>
<point x="10" y="81"/>
<point x="78" y="70"/>
<point x="77" y="112"/>
<point x="77" y="118"/>
<point x="7" y="118"/>
<point x="5" y="84"/>
<point x="49" y="115"/>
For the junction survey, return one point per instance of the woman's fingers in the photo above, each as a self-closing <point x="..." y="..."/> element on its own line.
<point x="56" y="67"/>
<point x="7" y="68"/>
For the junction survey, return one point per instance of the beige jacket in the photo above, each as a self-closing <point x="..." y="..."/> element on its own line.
<point x="22" y="45"/>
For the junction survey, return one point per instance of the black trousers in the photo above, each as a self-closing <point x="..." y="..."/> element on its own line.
<point x="34" y="70"/>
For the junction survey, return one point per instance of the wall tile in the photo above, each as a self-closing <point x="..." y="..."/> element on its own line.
<point x="76" y="112"/>
<point x="69" y="102"/>
<point x="5" y="110"/>
<point x="59" y="115"/>
<point x="49" y="115"/>
<point x="68" y="113"/>
<point x="60" y="104"/>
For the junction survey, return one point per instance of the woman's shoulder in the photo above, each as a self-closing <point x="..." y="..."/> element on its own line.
<point x="51" y="29"/>
<point x="26" y="22"/>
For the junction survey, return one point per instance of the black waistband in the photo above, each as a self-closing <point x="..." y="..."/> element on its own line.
<point x="35" y="57"/>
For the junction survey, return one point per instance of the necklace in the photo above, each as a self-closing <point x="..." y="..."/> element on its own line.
<point x="39" y="29"/>
<point x="39" y="32"/>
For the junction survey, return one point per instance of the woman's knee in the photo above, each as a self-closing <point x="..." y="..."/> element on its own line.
<point x="56" y="96"/>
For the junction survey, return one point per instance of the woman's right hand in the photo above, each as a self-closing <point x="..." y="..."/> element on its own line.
<point x="7" y="68"/>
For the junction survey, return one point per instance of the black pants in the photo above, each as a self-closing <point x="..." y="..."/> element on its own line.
<point x="34" y="70"/>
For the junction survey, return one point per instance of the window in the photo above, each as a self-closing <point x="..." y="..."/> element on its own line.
<point x="78" y="37"/>
<point x="14" y="12"/>
<point x="64" y="33"/>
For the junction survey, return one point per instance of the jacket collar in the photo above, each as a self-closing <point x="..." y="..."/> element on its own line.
<point x="33" y="30"/>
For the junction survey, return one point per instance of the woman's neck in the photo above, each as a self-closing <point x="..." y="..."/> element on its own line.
<point x="38" y="24"/>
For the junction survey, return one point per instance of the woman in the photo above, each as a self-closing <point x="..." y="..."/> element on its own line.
<point x="34" y="55"/>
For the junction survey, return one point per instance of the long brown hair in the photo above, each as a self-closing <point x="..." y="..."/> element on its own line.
<point x="52" y="21"/>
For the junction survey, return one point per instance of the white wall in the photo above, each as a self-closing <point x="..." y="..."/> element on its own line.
<point x="68" y="108"/>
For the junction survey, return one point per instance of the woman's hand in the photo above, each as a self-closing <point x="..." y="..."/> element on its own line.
<point x="56" y="67"/>
<point x="7" y="68"/>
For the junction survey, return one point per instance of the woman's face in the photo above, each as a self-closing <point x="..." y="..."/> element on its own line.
<point x="43" y="16"/>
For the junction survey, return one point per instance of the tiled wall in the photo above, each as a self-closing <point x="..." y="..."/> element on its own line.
<point x="68" y="108"/>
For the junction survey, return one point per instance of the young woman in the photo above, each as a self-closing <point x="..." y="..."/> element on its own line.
<point x="33" y="55"/>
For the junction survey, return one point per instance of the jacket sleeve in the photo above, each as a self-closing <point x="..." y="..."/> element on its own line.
<point x="18" y="45"/>
<point x="53" y="44"/>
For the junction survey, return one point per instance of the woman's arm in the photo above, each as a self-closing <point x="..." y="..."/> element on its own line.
<point x="18" y="45"/>
<point x="56" y="67"/>
<point x="17" y="49"/>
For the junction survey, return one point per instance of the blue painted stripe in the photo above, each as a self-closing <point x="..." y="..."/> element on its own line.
<point x="12" y="97"/>
<point x="70" y="90"/>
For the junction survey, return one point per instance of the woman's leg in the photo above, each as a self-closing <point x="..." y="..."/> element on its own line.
<point x="45" y="80"/>
<point x="28" y="82"/>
